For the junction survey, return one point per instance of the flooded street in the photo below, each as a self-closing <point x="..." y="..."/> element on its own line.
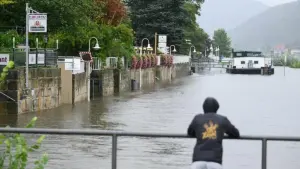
<point x="257" y="105"/>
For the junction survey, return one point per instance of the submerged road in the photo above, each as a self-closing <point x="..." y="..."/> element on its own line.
<point x="257" y="105"/>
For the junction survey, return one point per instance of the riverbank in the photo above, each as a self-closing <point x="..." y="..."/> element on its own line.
<point x="53" y="87"/>
<point x="290" y="62"/>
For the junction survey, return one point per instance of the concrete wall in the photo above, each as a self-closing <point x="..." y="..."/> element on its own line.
<point x="66" y="85"/>
<point x="44" y="91"/>
<point x="112" y="81"/>
<point x="105" y="78"/>
<point x="147" y="76"/>
<point x="79" y="87"/>
<point x="74" y="88"/>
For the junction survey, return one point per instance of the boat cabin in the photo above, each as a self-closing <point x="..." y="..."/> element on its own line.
<point x="248" y="59"/>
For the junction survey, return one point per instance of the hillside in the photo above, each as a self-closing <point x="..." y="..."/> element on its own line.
<point x="227" y="14"/>
<point x="277" y="25"/>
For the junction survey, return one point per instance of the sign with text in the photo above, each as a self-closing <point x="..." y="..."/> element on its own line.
<point x="162" y="43"/>
<point x="162" y="38"/>
<point x="37" y="23"/>
<point x="4" y="59"/>
<point x="72" y="64"/>
<point x="32" y="58"/>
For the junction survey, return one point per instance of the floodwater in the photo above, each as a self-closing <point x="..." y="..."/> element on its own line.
<point x="257" y="105"/>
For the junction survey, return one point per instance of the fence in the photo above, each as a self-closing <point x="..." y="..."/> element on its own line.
<point x="37" y="57"/>
<point x="116" y="134"/>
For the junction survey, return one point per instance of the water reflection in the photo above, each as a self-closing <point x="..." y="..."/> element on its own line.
<point x="258" y="105"/>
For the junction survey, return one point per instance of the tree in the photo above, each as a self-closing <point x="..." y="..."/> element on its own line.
<point x="221" y="40"/>
<point x="192" y="31"/>
<point x="164" y="17"/>
<point x="73" y="22"/>
<point x="5" y="2"/>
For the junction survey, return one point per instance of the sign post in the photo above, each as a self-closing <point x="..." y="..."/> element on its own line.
<point x="35" y="23"/>
<point x="162" y="43"/>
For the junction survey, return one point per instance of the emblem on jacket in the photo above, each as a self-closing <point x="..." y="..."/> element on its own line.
<point x="210" y="130"/>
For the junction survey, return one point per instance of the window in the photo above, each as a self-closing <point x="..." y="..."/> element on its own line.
<point x="242" y="62"/>
<point x="255" y="62"/>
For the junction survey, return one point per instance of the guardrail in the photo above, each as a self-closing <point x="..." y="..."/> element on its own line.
<point x="116" y="134"/>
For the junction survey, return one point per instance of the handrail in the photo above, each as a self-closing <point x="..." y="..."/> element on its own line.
<point x="8" y="96"/>
<point x="115" y="134"/>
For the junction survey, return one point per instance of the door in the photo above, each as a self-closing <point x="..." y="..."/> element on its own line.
<point x="250" y="64"/>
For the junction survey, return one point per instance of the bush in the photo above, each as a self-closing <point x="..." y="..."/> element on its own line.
<point x="145" y="62"/>
<point x="16" y="153"/>
<point x="166" y="60"/>
<point x="4" y="74"/>
<point x="139" y="62"/>
<point x="134" y="62"/>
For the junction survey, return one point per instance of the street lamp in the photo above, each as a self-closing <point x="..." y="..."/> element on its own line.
<point x="141" y="48"/>
<point x="191" y="50"/>
<point x="217" y="51"/>
<point x="141" y="53"/>
<point x="96" y="47"/>
<point x="174" y="50"/>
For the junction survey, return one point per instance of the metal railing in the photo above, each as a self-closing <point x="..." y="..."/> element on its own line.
<point x="116" y="134"/>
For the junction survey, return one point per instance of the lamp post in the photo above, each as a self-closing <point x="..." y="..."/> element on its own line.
<point x="174" y="50"/>
<point x="14" y="46"/>
<point x="217" y="53"/>
<point x="141" y="53"/>
<point x="96" y="47"/>
<point x="191" y="50"/>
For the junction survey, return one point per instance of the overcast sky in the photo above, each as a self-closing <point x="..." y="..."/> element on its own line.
<point x="275" y="2"/>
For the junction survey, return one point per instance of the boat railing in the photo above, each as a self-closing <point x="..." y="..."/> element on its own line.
<point x="116" y="134"/>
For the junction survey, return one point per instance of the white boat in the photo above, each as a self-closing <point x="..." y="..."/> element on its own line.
<point x="249" y="62"/>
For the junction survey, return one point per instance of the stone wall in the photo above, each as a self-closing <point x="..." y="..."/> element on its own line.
<point x="181" y="70"/>
<point x="104" y="80"/>
<point x="108" y="82"/>
<point x="44" y="91"/>
<point x="148" y="76"/>
<point x="79" y="88"/>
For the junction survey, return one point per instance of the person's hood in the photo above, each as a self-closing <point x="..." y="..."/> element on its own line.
<point x="210" y="105"/>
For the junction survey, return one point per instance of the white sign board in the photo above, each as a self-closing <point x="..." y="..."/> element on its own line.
<point x="4" y="59"/>
<point x="162" y="45"/>
<point x="72" y="64"/>
<point x="162" y="38"/>
<point x="37" y="22"/>
<point x="32" y="58"/>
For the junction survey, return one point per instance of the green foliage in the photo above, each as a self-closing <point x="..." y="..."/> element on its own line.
<point x="6" y="39"/>
<point x="4" y="74"/>
<point x="192" y="31"/>
<point x="221" y="40"/>
<point x="295" y="64"/>
<point x="17" y="150"/>
<point x="73" y="23"/>
<point x="290" y="62"/>
<point x="176" y="18"/>
<point x="5" y="2"/>
<point x="164" y="17"/>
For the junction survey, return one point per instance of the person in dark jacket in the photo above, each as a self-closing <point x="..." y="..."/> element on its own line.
<point x="209" y="129"/>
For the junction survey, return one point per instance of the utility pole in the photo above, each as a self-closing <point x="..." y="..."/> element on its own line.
<point x="155" y="42"/>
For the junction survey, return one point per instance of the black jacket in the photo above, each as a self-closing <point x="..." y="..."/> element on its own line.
<point x="209" y="129"/>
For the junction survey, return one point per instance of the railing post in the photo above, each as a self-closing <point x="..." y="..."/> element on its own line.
<point x="264" y="154"/>
<point x="114" y="151"/>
